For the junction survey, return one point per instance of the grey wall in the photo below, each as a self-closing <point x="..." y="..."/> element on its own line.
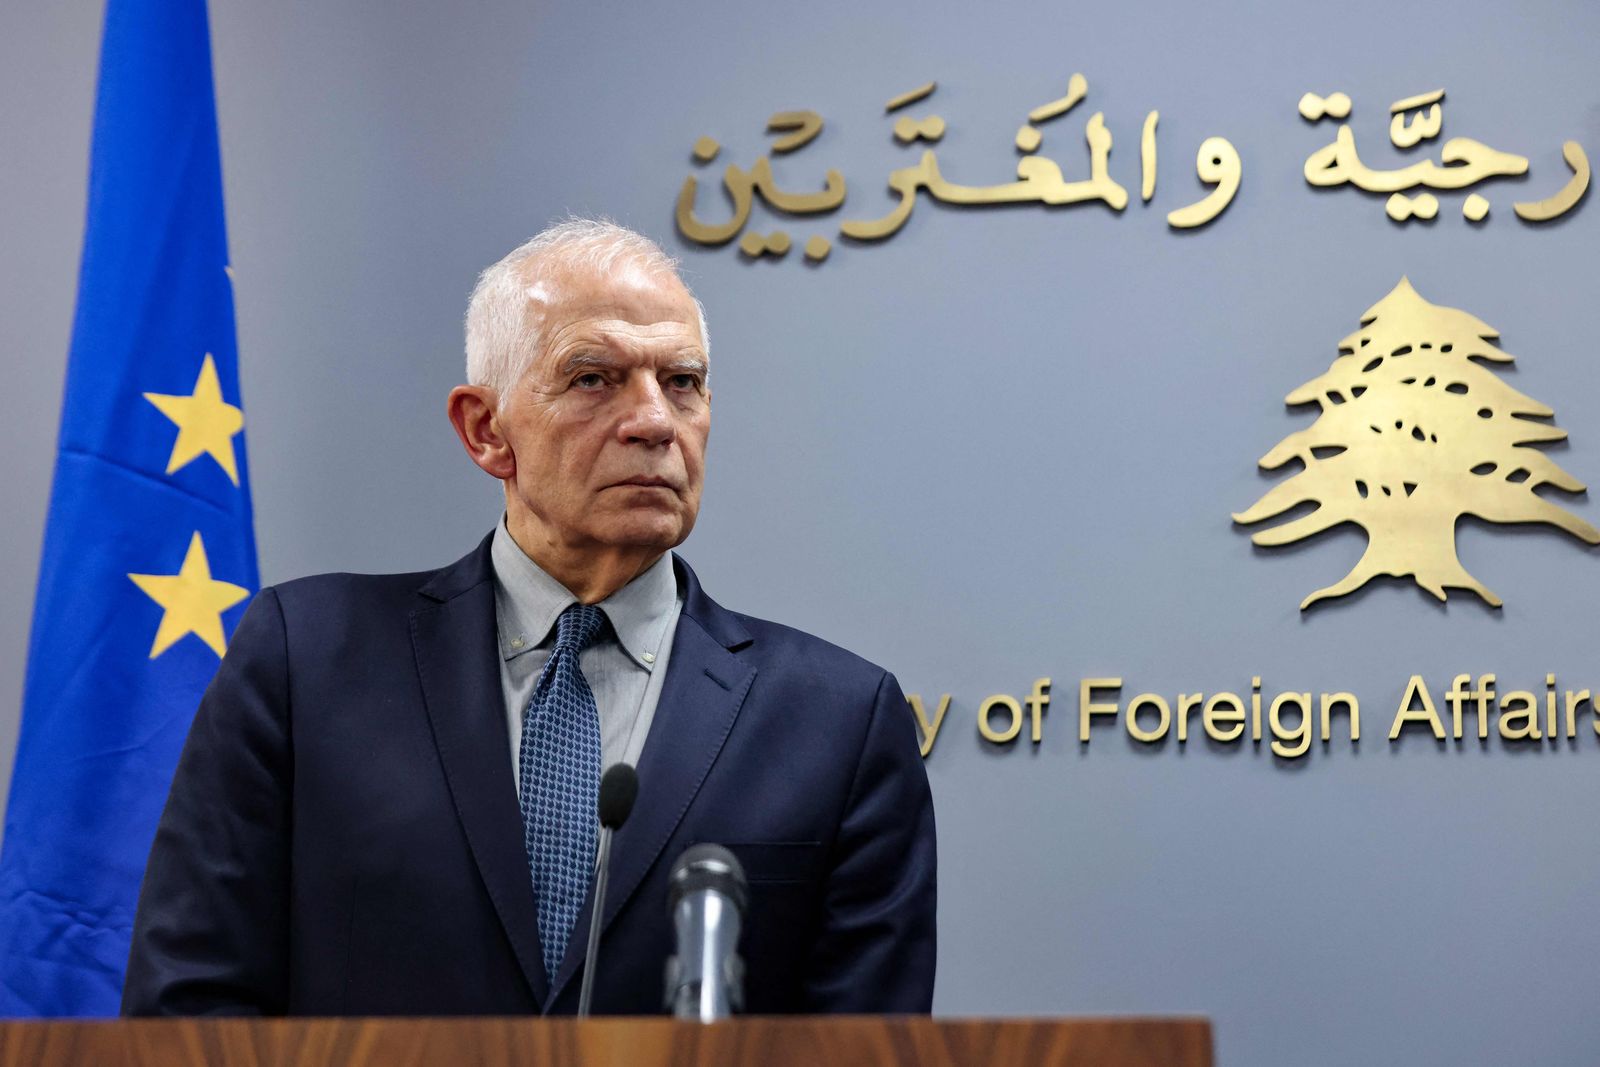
<point x="999" y="446"/>
<point x="48" y="55"/>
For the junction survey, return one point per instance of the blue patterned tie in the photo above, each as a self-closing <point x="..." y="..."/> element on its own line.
<point x="559" y="776"/>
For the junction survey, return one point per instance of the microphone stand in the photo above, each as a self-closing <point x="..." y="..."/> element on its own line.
<point x="619" y="788"/>
<point x="586" y="991"/>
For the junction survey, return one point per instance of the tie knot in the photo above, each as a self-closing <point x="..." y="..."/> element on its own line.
<point x="578" y="627"/>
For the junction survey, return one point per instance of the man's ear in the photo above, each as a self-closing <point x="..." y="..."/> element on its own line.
<point x="471" y="409"/>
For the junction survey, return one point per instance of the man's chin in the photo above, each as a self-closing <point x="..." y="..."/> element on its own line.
<point x="646" y="530"/>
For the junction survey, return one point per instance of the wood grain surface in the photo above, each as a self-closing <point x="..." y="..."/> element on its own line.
<point x="758" y="1042"/>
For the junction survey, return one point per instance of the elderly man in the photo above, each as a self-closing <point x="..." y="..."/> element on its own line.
<point x="386" y="802"/>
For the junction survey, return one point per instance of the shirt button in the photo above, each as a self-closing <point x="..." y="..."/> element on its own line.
<point x="516" y="642"/>
<point x="648" y="657"/>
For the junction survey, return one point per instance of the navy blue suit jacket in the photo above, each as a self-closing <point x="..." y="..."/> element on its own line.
<point x="343" y="836"/>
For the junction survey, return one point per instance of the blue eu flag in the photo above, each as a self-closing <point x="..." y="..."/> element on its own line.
<point x="149" y="557"/>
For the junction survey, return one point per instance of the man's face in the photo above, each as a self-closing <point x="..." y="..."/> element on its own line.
<point x="608" y="425"/>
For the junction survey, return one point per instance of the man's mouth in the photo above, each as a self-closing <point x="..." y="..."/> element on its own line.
<point x="648" y="482"/>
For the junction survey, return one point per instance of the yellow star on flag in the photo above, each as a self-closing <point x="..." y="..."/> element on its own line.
<point x="206" y="423"/>
<point x="194" y="603"/>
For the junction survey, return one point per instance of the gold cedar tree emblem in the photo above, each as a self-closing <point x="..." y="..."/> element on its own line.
<point x="1415" y="431"/>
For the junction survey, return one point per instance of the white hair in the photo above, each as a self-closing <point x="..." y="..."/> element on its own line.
<point x="502" y="338"/>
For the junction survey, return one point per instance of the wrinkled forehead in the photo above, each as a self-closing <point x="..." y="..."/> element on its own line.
<point x="564" y="299"/>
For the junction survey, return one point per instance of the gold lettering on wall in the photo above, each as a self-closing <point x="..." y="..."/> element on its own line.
<point x="928" y="730"/>
<point x="1290" y="721"/>
<point x="1415" y="122"/>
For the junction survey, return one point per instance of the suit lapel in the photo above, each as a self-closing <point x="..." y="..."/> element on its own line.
<point x="705" y="687"/>
<point x="454" y="639"/>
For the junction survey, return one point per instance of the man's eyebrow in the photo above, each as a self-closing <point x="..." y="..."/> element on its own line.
<point x="580" y="360"/>
<point x="600" y="361"/>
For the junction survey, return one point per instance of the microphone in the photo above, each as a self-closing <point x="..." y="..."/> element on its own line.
<point x="706" y="897"/>
<point x="619" y="788"/>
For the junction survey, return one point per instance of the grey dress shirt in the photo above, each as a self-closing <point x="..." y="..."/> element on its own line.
<point x="625" y="668"/>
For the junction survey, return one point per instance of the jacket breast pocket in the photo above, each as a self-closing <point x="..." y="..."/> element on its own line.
<point x="779" y="862"/>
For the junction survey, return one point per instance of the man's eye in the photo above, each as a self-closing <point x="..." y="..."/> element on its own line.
<point x="684" y="381"/>
<point x="592" y="380"/>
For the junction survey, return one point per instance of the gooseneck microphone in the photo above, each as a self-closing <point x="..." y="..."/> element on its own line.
<point x="619" y="788"/>
<point x="706" y="897"/>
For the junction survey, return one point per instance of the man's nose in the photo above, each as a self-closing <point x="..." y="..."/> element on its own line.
<point x="648" y="419"/>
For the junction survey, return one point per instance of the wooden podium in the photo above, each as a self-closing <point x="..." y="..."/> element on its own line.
<point x="843" y="1041"/>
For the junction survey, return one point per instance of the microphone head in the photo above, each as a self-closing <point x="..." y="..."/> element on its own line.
<point x="619" y="788"/>
<point x="706" y="866"/>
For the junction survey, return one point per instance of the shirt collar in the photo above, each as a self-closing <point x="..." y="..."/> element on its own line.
<point x="528" y="601"/>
